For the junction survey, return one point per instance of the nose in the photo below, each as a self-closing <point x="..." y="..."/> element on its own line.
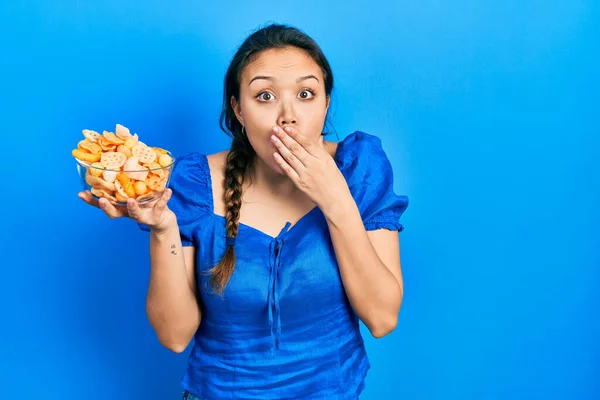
<point x="286" y="115"/>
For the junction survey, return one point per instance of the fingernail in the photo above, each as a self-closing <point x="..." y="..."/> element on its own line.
<point x="273" y="138"/>
<point x="275" y="129"/>
<point x="287" y="129"/>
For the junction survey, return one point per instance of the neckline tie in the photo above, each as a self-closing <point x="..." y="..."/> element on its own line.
<point x="275" y="251"/>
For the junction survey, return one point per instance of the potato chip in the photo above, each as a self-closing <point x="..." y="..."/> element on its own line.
<point x="162" y="183"/>
<point x="96" y="169"/>
<point x="93" y="148"/>
<point x="138" y="175"/>
<point x="152" y="166"/>
<point x="134" y="170"/>
<point x="132" y="164"/>
<point x="83" y="155"/>
<point x="131" y="141"/>
<point x="109" y="176"/>
<point x="106" y="145"/>
<point x="119" y="190"/>
<point x="152" y="182"/>
<point x="122" y="132"/>
<point x="113" y="160"/>
<point x="155" y="183"/>
<point x="112" y="138"/>
<point x="90" y="135"/>
<point x="98" y="192"/>
<point x="125" y="150"/>
<point x="146" y="196"/>
<point x="120" y="198"/>
<point x="99" y="182"/>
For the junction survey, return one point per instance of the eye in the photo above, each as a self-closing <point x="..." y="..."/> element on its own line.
<point x="264" y="96"/>
<point x="306" y="94"/>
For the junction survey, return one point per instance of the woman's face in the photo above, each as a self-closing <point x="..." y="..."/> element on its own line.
<point x="282" y="87"/>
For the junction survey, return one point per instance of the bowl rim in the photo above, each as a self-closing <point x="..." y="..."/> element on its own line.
<point x="89" y="165"/>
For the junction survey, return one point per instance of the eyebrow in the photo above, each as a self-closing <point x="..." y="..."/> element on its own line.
<point x="306" y="77"/>
<point x="270" y="78"/>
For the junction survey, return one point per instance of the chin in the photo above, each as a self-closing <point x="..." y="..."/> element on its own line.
<point x="272" y="164"/>
<point x="269" y="162"/>
<point x="278" y="169"/>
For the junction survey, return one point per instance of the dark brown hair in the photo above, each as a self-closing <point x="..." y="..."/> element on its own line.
<point x="241" y="155"/>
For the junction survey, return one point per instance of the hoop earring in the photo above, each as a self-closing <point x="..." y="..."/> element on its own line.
<point x="243" y="133"/>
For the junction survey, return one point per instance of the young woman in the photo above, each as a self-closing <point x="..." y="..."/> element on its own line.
<point x="270" y="253"/>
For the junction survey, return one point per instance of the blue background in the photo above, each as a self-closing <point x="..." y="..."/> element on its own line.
<point x="486" y="110"/>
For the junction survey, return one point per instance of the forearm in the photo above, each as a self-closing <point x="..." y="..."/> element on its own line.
<point x="372" y="289"/>
<point x="171" y="303"/>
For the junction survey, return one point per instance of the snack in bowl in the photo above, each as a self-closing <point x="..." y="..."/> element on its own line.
<point x="117" y="166"/>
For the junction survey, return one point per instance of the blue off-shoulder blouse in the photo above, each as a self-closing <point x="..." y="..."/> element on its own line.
<point x="283" y="328"/>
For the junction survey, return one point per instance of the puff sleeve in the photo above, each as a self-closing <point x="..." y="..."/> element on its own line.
<point x="190" y="183"/>
<point x="370" y="178"/>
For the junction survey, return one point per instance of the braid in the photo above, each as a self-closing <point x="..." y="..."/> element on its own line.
<point x="238" y="160"/>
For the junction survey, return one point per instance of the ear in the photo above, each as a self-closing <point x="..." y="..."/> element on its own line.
<point x="328" y="101"/>
<point x="237" y="109"/>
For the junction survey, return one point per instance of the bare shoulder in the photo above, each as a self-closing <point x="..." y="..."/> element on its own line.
<point x="217" y="163"/>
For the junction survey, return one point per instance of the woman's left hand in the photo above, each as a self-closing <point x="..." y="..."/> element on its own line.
<point x="310" y="166"/>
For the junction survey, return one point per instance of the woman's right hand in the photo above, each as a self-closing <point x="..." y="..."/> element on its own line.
<point x="155" y="215"/>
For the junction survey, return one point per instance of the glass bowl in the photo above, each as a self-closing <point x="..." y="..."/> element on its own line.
<point x="143" y="182"/>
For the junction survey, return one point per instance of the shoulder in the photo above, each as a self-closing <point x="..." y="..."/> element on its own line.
<point x="360" y="155"/>
<point x="189" y="168"/>
<point x="216" y="164"/>
<point x="190" y="184"/>
<point x="189" y="160"/>
<point x="359" y="139"/>
<point x="217" y="158"/>
<point x="365" y="165"/>
<point x="199" y="165"/>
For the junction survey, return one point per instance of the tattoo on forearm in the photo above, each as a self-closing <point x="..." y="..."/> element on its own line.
<point x="173" y="251"/>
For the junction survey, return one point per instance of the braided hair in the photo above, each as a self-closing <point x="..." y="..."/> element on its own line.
<point x="241" y="155"/>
